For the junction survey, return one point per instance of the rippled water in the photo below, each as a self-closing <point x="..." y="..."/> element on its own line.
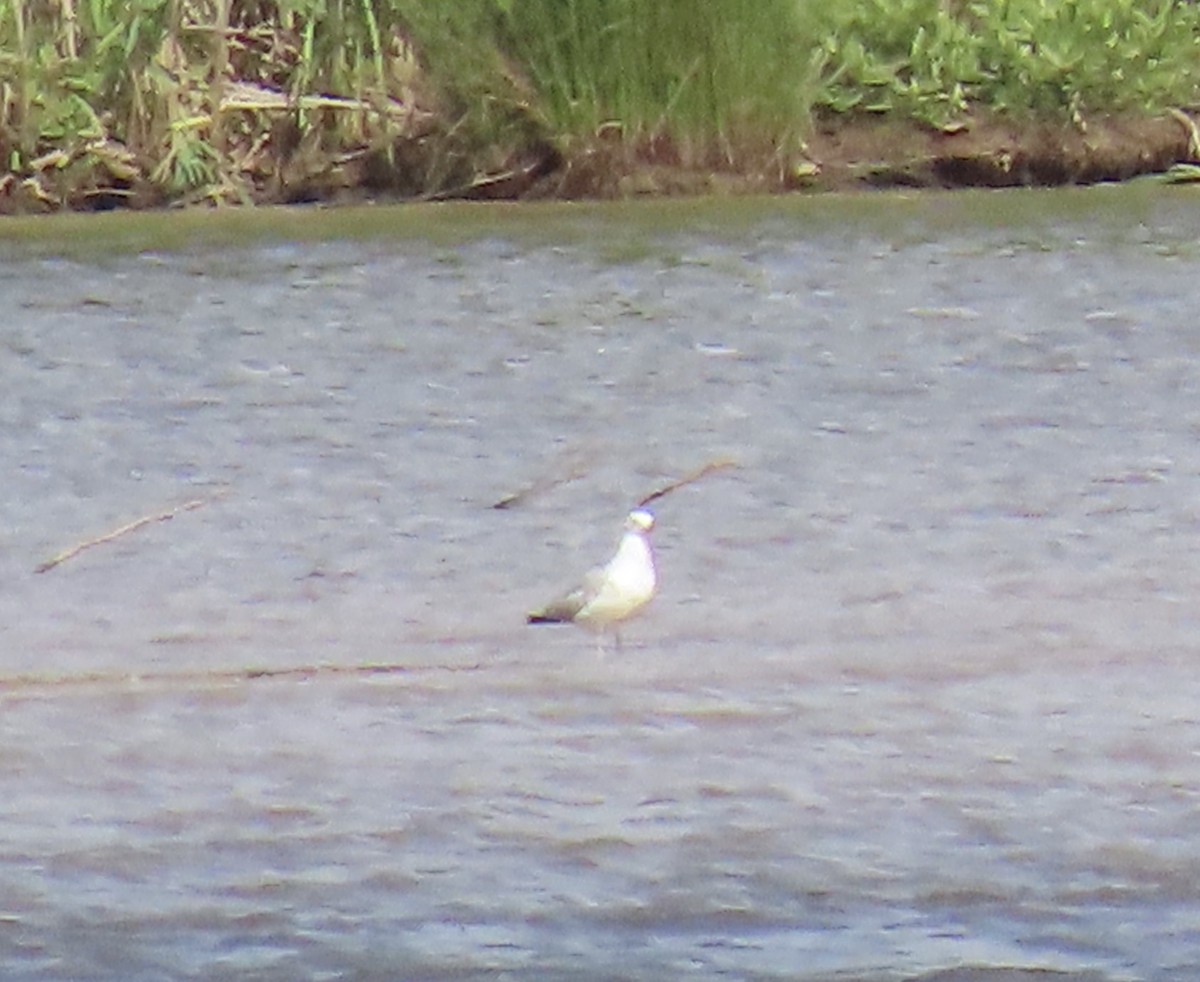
<point x="918" y="692"/>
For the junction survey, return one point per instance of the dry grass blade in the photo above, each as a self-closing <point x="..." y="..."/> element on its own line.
<point x="1189" y="125"/>
<point x="719" y="464"/>
<point x="162" y="516"/>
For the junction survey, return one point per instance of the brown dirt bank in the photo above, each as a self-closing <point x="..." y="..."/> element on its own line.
<point x="863" y="153"/>
<point x="841" y="154"/>
<point x="1001" y="153"/>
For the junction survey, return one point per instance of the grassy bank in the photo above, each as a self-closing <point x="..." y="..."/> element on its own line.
<point x="106" y="103"/>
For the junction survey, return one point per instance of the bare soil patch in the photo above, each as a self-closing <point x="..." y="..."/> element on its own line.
<point x="862" y="153"/>
<point x="990" y="152"/>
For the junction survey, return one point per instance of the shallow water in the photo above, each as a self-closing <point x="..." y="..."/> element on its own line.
<point x="918" y="690"/>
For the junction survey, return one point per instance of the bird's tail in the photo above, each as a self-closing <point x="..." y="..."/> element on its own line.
<point x="545" y="617"/>
<point x="561" y="611"/>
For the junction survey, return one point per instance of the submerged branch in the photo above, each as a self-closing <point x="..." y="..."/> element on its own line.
<point x="719" y="464"/>
<point x="162" y="516"/>
<point x="572" y="466"/>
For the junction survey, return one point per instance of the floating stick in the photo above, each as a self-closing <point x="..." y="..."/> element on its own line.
<point x="720" y="464"/>
<point x="572" y="467"/>
<point x="162" y="516"/>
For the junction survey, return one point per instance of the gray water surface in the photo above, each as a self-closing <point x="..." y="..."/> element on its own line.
<point x="919" y="690"/>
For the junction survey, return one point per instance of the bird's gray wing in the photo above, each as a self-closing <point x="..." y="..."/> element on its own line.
<point x="566" y="607"/>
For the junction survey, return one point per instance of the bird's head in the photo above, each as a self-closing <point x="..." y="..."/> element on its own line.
<point x="640" y="520"/>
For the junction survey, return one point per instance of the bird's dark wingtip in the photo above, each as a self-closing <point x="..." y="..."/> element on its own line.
<point x="542" y="619"/>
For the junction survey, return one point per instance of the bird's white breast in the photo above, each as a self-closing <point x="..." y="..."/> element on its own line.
<point x="627" y="585"/>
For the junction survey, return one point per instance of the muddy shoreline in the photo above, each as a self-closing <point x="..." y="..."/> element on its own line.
<point x="841" y="154"/>
<point x="996" y="152"/>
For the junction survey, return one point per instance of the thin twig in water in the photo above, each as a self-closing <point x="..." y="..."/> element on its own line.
<point x="571" y="470"/>
<point x="720" y="464"/>
<point x="133" y="526"/>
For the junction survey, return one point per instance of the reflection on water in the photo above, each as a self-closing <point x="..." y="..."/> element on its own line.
<point x="917" y="692"/>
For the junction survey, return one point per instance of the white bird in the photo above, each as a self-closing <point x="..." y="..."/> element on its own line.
<point x="614" y="592"/>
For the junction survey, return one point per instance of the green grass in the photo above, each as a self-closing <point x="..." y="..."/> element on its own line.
<point x="102" y="93"/>
<point x="933" y="59"/>
<point x="717" y="81"/>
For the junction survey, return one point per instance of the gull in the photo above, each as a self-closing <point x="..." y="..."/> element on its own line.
<point x="614" y="592"/>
